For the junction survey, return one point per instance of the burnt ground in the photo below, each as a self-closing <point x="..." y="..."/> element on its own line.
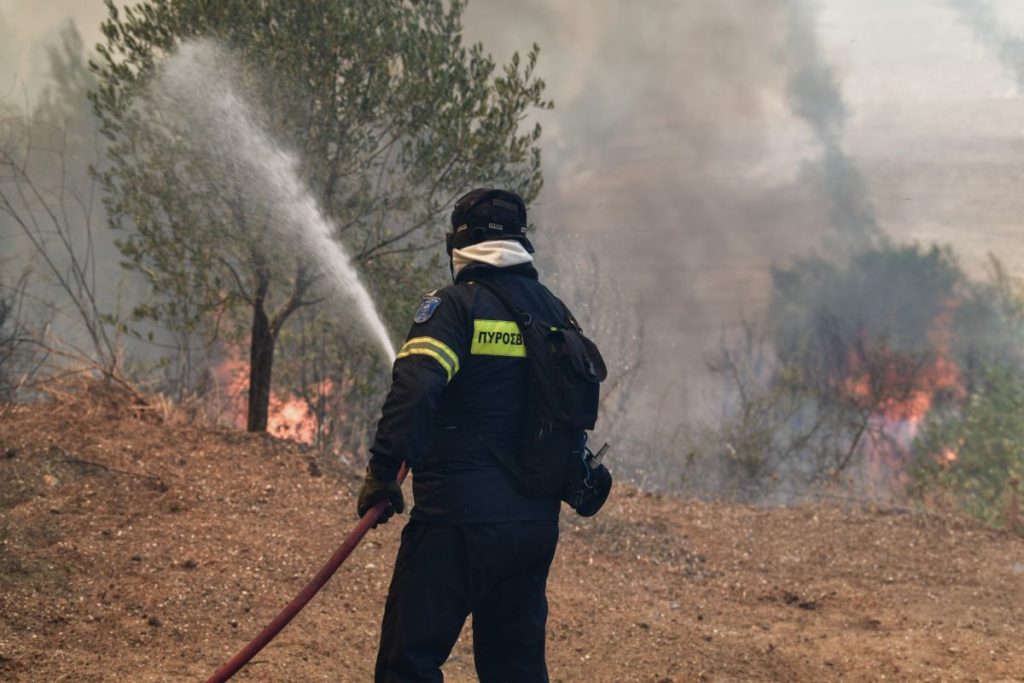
<point x="136" y="549"/>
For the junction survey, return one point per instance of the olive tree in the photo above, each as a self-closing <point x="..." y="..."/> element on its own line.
<point x="391" y="115"/>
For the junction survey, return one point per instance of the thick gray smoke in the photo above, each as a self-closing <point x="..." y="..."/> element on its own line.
<point x="49" y="142"/>
<point x="815" y="96"/>
<point x="695" y="145"/>
<point x="672" y="156"/>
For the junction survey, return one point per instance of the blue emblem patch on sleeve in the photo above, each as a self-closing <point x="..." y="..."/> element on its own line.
<point x="427" y="308"/>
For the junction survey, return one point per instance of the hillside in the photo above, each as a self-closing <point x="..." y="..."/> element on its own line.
<point x="136" y="549"/>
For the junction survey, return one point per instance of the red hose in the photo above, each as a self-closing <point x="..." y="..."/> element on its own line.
<point x="295" y="606"/>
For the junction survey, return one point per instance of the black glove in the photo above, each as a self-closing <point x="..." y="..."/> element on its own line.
<point x="374" y="490"/>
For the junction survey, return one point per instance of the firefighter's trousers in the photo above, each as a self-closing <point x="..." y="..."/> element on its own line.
<point x="445" y="572"/>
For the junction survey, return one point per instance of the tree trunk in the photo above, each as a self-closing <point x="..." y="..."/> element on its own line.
<point x="261" y="363"/>
<point x="264" y="335"/>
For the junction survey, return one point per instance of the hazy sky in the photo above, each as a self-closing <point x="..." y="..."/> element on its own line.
<point x="29" y="26"/>
<point x="675" y="155"/>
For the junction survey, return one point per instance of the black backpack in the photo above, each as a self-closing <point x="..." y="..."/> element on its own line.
<point x="565" y="371"/>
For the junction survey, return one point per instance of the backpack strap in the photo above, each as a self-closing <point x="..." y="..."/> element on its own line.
<point x="521" y="316"/>
<point x="570" y="320"/>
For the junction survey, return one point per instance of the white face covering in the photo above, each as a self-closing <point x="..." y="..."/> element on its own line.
<point x="498" y="253"/>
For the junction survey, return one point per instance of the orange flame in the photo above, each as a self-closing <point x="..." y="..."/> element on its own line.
<point x="288" y="417"/>
<point x="901" y="393"/>
<point x="901" y="390"/>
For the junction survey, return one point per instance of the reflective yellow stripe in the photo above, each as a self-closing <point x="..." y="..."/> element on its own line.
<point x="437" y="345"/>
<point x="438" y="350"/>
<point x="426" y="351"/>
<point x="497" y="338"/>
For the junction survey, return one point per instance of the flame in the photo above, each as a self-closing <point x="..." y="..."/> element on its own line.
<point x="896" y="385"/>
<point x="288" y="417"/>
<point x="887" y="385"/>
<point x="291" y="419"/>
<point x="900" y="392"/>
<point x="231" y="375"/>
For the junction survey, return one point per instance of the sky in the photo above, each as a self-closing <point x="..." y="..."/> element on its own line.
<point x="681" y="155"/>
<point x="28" y="28"/>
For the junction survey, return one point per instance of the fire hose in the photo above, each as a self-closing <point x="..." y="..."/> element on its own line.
<point x="365" y="523"/>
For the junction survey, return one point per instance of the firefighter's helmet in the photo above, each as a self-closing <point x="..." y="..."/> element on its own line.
<point x="488" y="214"/>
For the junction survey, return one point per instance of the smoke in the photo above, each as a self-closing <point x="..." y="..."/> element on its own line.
<point x="28" y="29"/>
<point x="696" y="144"/>
<point x="52" y="219"/>
<point x="982" y="21"/>
<point x="672" y="157"/>
<point x="693" y="147"/>
<point x="815" y="96"/>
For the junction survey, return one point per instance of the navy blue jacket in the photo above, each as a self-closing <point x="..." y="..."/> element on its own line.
<point x="460" y="376"/>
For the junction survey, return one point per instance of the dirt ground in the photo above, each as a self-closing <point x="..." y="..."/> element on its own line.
<point x="135" y="549"/>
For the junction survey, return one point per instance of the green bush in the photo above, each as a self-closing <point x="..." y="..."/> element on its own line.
<point x="971" y="457"/>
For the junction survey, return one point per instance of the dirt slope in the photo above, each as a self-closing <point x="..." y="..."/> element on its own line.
<point x="133" y="550"/>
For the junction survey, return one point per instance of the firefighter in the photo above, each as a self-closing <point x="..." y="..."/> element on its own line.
<point x="474" y="544"/>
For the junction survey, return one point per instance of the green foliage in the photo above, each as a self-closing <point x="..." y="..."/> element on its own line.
<point x="390" y="115"/>
<point x="974" y="456"/>
<point x="971" y="456"/>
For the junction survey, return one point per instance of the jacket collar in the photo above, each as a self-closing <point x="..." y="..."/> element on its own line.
<point x="485" y="271"/>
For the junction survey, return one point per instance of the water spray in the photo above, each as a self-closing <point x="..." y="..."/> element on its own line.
<point x="193" y="86"/>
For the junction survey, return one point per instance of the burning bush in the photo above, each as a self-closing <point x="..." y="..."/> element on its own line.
<point x="834" y="388"/>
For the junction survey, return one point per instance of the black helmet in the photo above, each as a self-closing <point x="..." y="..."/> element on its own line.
<point x="488" y="214"/>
